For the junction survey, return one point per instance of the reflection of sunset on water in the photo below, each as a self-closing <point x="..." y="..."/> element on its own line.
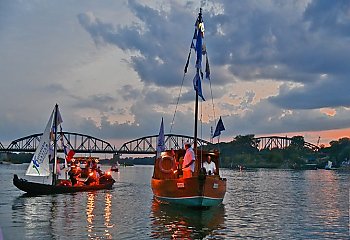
<point x="90" y="206"/>
<point x="96" y="205"/>
<point x="325" y="196"/>
<point x="108" y="214"/>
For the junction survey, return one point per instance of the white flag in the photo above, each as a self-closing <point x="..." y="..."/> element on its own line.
<point x="161" y="139"/>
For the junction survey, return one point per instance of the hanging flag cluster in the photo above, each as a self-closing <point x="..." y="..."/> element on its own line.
<point x="200" y="49"/>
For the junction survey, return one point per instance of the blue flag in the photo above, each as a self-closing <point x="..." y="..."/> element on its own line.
<point x="198" y="85"/>
<point x="207" y="68"/>
<point x="199" y="45"/>
<point x="219" y="127"/>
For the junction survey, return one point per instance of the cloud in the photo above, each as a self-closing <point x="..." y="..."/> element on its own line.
<point x="117" y="68"/>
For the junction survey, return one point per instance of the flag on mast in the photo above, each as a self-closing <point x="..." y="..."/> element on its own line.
<point x="197" y="85"/>
<point x="161" y="140"/>
<point x="219" y="127"/>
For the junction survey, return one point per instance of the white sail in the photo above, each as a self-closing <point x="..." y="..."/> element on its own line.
<point x="39" y="166"/>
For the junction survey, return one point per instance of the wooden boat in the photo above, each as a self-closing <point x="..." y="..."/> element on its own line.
<point x="39" y="167"/>
<point x="65" y="186"/>
<point x="168" y="183"/>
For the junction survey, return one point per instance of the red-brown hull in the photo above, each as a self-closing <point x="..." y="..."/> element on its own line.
<point x="198" y="191"/>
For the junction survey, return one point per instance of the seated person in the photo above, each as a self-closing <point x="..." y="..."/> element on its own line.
<point x="93" y="178"/>
<point x="99" y="171"/>
<point x="209" y="166"/>
<point x="74" y="173"/>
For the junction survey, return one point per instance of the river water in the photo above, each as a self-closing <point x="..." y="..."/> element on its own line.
<point x="263" y="204"/>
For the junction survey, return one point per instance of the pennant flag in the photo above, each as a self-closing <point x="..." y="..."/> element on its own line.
<point x="59" y="117"/>
<point x="198" y="85"/>
<point x="219" y="127"/>
<point x="207" y="68"/>
<point x="58" y="123"/>
<point x="161" y="140"/>
<point x="69" y="153"/>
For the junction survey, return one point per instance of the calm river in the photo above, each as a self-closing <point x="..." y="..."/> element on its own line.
<point x="265" y="204"/>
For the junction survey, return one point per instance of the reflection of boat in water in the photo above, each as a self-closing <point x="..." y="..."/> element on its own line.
<point x="329" y="166"/>
<point x="199" y="189"/>
<point x="39" y="166"/>
<point x="69" y="216"/>
<point x="179" y="222"/>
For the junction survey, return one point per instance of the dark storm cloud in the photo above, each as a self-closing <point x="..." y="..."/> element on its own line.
<point x="329" y="17"/>
<point x="326" y="93"/>
<point x="257" y="40"/>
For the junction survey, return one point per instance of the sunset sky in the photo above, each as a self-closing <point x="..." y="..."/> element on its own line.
<point x="115" y="67"/>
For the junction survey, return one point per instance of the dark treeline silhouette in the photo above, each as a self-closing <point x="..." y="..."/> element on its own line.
<point x="243" y="151"/>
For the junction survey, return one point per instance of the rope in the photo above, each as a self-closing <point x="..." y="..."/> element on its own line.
<point x="177" y="103"/>
<point x="211" y="94"/>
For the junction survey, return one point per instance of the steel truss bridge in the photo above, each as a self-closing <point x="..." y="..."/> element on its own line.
<point x="280" y="143"/>
<point x="82" y="143"/>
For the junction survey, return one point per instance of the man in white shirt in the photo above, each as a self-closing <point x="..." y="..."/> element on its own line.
<point x="188" y="162"/>
<point x="209" y="166"/>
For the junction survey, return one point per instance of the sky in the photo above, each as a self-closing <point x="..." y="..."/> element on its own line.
<point x="117" y="67"/>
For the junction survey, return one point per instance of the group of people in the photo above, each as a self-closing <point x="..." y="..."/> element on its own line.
<point x="188" y="166"/>
<point x="90" y="173"/>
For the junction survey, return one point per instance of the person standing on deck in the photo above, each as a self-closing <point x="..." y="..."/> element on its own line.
<point x="189" y="161"/>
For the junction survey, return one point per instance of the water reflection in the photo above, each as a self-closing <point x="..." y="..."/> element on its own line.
<point x="64" y="216"/>
<point x="93" y="215"/>
<point x="107" y="215"/>
<point x="36" y="214"/>
<point x="176" y="222"/>
<point x="90" y="206"/>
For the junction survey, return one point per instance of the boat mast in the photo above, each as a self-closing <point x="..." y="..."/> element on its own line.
<point x="54" y="171"/>
<point x="198" y="166"/>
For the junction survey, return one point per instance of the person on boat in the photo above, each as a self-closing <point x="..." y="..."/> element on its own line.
<point x="74" y="174"/>
<point x="209" y="166"/>
<point x="93" y="178"/>
<point x="99" y="171"/>
<point x="189" y="161"/>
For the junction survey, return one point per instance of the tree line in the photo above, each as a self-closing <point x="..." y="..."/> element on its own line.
<point x="243" y="151"/>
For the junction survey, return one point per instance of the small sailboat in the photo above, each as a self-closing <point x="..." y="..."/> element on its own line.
<point x="40" y="167"/>
<point x="115" y="167"/>
<point x="169" y="182"/>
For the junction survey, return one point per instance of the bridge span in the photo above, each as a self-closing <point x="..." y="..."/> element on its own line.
<point x="82" y="143"/>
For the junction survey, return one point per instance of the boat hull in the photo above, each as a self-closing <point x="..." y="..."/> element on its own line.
<point x="45" y="189"/>
<point x="199" y="191"/>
